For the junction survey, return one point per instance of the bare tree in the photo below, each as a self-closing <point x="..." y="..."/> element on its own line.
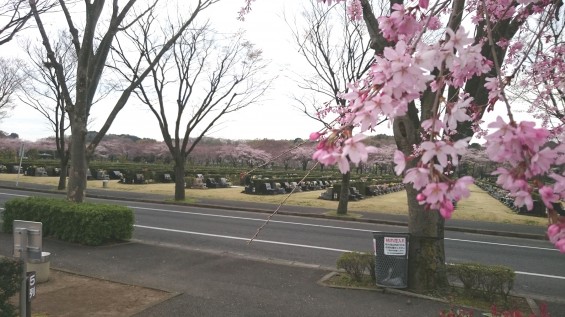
<point x="11" y="80"/>
<point x="209" y="80"/>
<point x="92" y="45"/>
<point x="44" y="93"/>
<point x="338" y="53"/>
<point x="14" y="17"/>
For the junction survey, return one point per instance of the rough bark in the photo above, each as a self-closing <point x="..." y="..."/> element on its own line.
<point x="63" y="175"/>
<point x="179" y="180"/>
<point x="426" y="262"/>
<point x="76" y="190"/>
<point x="344" y="194"/>
<point x="426" y="265"/>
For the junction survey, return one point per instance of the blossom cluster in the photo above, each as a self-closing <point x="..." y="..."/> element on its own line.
<point x="525" y="149"/>
<point x="410" y="66"/>
<point x="531" y="158"/>
<point x="397" y="78"/>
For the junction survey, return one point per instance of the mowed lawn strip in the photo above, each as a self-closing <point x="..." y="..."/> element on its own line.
<point x="479" y="206"/>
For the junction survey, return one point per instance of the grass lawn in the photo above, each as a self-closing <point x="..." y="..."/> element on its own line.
<point x="479" y="206"/>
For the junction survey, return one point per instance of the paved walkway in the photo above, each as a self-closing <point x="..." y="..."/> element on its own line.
<point x="216" y="284"/>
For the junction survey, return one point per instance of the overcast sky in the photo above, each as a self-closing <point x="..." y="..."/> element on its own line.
<point x="274" y="118"/>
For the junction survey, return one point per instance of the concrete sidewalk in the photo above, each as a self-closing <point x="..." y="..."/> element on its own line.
<point x="212" y="284"/>
<point x="215" y="284"/>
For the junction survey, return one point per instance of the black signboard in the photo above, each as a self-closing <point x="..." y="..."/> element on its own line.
<point x="30" y="286"/>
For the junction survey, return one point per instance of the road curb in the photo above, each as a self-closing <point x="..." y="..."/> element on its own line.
<point x="299" y="214"/>
<point x="323" y="282"/>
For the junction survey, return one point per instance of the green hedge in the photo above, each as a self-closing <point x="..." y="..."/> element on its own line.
<point x="85" y="223"/>
<point x="489" y="281"/>
<point x="356" y="264"/>
<point x="10" y="273"/>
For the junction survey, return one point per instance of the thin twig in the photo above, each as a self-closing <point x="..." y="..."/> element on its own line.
<point x="280" y="205"/>
<point x="275" y="158"/>
<point x="501" y="85"/>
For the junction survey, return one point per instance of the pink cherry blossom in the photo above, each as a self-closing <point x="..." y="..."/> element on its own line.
<point x="315" y="136"/>
<point x="356" y="150"/>
<point x="410" y="67"/>
<point x="446" y="209"/>
<point x="418" y="176"/>
<point x="354" y="10"/>
<point x="435" y="193"/>
<point x="399" y="161"/>
<point x="548" y="196"/>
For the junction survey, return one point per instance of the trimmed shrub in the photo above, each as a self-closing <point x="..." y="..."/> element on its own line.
<point x="85" y="223"/>
<point x="356" y="264"/>
<point x="10" y="274"/>
<point x="480" y="279"/>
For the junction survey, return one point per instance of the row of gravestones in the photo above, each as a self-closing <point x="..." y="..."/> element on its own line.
<point x="354" y="194"/>
<point x="273" y="188"/>
<point x="504" y="197"/>
<point x="200" y="182"/>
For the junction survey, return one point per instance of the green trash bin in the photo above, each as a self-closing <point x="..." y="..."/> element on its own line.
<point x="391" y="259"/>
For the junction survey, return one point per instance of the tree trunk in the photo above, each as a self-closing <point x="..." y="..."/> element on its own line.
<point x="344" y="194"/>
<point x="179" y="180"/>
<point x="76" y="190"/>
<point x="63" y="174"/>
<point x="426" y="261"/>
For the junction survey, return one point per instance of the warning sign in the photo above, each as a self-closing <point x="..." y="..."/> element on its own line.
<point x="395" y="246"/>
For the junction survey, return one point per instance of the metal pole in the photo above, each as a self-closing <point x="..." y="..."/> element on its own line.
<point x="20" y="167"/>
<point x="23" y="258"/>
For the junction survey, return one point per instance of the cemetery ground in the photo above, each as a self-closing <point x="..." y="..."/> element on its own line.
<point x="480" y="206"/>
<point x="115" y="299"/>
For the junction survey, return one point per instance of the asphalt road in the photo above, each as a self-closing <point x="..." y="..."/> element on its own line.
<point x="318" y="242"/>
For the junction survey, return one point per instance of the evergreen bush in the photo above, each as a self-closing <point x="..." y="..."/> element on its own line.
<point x="10" y="273"/>
<point x="85" y="223"/>
<point x="489" y="281"/>
<point x="356" y="264"/>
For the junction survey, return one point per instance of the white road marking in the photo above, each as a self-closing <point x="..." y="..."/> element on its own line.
<point x="335" y="227"/>
<point x="14" y="195"/>
<point x="321" y="226"/>
<point x="301" y="246"/>
<point x="540" y="275"/>
<point x="311" y="225"/>
<point x="241" y="238"/>
<point x="502" y="244"/>
<point x="253" y="219"/>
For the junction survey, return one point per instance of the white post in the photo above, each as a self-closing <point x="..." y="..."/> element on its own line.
<point x="20" y="167"/>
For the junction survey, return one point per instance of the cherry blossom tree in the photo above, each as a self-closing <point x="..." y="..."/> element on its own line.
<point x="541" y="84"/>
<point x="303" y="155"/>
<point x="205" y="153"/>
<point x="383" y="157"/>
<point x="436" y="94"/>
<point x="10" y="147"/>
<point x="92" y="38"/>
<point x="434" y="79"/>
<point x="244" y="154"/>
<point x="209" y="76"/>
